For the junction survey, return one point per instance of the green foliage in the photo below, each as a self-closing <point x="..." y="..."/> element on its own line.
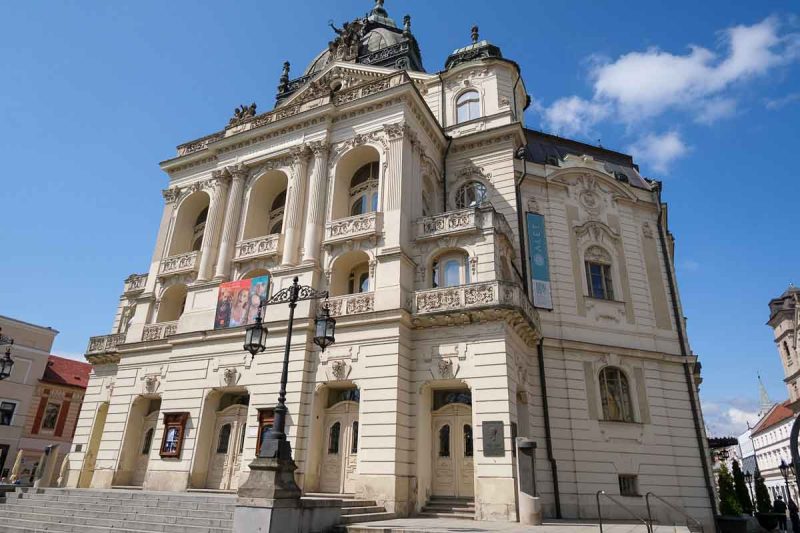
<point x="728" y="504"/>
<point x="742" y="494"/>
<point x="763" y="503"/>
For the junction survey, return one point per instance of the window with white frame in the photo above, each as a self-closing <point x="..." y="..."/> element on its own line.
<point x="7" y="412"/>
<point x="468" y="106"/>
<point x="451" y="269"/>
<point x="597" y="263"/>
<point x="615" y="395"/>
<point x="364" y="189"/>
<point x="471" y="194"/>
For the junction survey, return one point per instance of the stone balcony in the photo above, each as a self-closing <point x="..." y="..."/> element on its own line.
<point x="135" y="283"/>
<point x="354" y="228"/>
<point x="463" y="221"/>
<point x="179" y="264"/>
<point x="162" y="330"/>
<point x="267" y="246"/>
<point x="104" y="344"/>
<point x="476" y="302"/>
<point x="352" y="304"/>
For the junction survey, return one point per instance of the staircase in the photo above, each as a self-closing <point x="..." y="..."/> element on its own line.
<point x="449" y="507"/>
<point x="123" y="511"/>
<point x="354" y="511"/>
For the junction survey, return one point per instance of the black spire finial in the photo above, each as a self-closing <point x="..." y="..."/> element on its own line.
<point x="284" y="81"/>
<point x="475" y="34"/>
<point x="407" y="24"/>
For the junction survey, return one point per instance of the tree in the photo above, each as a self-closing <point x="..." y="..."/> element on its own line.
<point x="763" y="503"/>
<point x="742" y="494"/>
<point x="728" y="504"/>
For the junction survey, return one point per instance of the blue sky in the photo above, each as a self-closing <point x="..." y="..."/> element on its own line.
<point x="705" y="94"/>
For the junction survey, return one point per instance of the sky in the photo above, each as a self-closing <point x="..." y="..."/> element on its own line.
<point x="705" y="95"/>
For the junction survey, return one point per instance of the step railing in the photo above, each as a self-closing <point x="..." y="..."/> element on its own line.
<point x="621" y="505"/>
<point x="671" y="506"/>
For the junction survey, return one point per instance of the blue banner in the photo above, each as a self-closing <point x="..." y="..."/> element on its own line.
<point x="538" y="262"/>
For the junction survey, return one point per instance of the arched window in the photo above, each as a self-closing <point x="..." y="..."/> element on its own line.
<point x="148" y="441"/>
<point x="471" y="194"/>
<point x="788" y="353"/>
<point x="199" y="228"/>
<point x="444" y="441"/>
<point x="451" y="270"/>
<point x="276" y="213"/>
<point x="468" y="440"/>
<point x="333" y="438"/>
<point x="615" y="394"/>
<point x="224" y="438"/>
<point x="468" y="106"/>
<point x="358" y="281"/>
<point x="354" y="445"/>
<point x="364" y="190"/>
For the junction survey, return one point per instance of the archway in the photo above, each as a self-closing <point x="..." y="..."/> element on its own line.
<point x="357" y="183"/>
<point x="350" y="274"/>
<point x="90" y="459"/>
<point x="189" y="229"/>
<point x="137" y="442"/>
<point x="452" y="449"/>
<point x="338" y="445"/>
<point x="266" y="204"/>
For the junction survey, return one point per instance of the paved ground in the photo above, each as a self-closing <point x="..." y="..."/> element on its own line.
<point x="444" y="525"/>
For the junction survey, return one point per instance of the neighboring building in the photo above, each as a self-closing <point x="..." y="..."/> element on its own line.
<point x="430" y="213"/>
<point x="783" y="319"/>
<point x="771" y="441"/>
<point x="30" y="351"/>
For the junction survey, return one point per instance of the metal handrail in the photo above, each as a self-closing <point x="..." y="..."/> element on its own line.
<point x="623" y="506"/>
<point x="671" y="506"/>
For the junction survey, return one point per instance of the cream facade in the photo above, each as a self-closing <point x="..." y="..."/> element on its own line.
<point x="405" y="194"/>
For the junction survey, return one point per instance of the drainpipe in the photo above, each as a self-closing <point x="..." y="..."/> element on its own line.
<point x="547" y="434"/>
<point x="684" y="352"/>
<point x="520" y="225"/>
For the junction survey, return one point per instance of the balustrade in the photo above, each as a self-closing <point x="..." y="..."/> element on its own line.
<point x="135" y="283"/>
<point x="352" y="304"/>
<point x="178" y="264"/>
<point x="162" y="330"/>
<point x="353" y="228"/>
<point x="266" y="246"/>
<point x="104" y="343"/>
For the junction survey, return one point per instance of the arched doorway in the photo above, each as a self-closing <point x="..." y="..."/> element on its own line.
<point x="145" y="447"/>
<point x="453" y="469"/>
<point x="339" y="464"/>
<point x="90" y="459"/>
<point x="224" y="462"/>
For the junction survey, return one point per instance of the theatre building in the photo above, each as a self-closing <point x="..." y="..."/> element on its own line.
<point x="489" y="282"/>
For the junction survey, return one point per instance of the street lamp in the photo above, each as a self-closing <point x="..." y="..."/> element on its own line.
<point x="275" y="444"/>
<point x="6" y="363"/>
<point x="785" y="471"/>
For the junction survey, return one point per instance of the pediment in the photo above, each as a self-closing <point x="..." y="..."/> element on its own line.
<point x="323" y="83"/>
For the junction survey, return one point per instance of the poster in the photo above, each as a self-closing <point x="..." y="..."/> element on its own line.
<point x="539" y="263"/>
<point x="238" y="302"/>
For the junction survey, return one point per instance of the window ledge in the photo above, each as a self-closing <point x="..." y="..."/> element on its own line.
<point x="623" y="422"/>
<point x="595" y="299"/>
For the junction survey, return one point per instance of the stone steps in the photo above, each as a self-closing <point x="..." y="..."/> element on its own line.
<point x="449" y="507"/>
<point x="354" y="511"/>
<point x="367" y="517"/>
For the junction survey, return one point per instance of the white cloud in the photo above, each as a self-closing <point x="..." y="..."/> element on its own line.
<point x="776" y="103"/>
<point x="726" y="420"/>
<point x="574" y="115"/>
<point x="716" y="109"/>
<point x="690" y="265"/>
<point x="659" y="151"/>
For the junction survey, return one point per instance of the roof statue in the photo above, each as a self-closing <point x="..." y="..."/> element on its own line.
<point x="242" y="113"/>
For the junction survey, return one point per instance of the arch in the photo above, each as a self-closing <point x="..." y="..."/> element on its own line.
<point x="350" y="274"/>
<point x="473" y="192"/>
<point x="360" y="162"/>
<point x="266" y="204"/>
<point x="189" y="224"/>
<point x="137" y="440"/>
<point x="615" y="394"/>
<point x="572" y="174"/>
<point x="467" y="105"/>
<point x="172" y="303"/>
<point x="224" y="439"/>
<point x="255" y="273"/>
<point x="450" y="267"/>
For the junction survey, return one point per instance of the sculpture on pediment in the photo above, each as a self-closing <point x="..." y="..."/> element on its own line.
<point x="346" y="45"/>
<point x="242" y="113"/>
<point x="151" y="383"/>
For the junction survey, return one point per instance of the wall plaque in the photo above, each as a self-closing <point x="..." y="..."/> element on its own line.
<point x="493" y="439"/>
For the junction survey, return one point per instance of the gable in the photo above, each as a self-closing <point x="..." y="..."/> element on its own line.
<point x="323" y="83"/>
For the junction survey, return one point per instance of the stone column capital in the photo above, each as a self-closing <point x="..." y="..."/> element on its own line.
<point x="318" y="148"/>
<point x="395" y="131"/>
<point x="237" y="172"/>
<point x="171" y="195"/>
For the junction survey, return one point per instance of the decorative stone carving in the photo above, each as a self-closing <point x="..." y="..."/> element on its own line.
<point x="473" y="265"/>
<point x="154" y="332"/>
<point x="647" y="230"/>
<point x="352" y="304"/>
<point x="171" y="195"/>
<point x="177" y="264"/>
<point x="470" y="170"/>
<point x="135" y="282"/>
<point x="395" y="131"/>
<point x="151" y="383"/>
<point x="533" y="205"/>
<point x="597" y="254"/>
<point x="450" y="222"/>
<point x="376" y="136"/>
<point x="357" y="227"/>
<point x="104" y="344"/>
<point x="444" y="368"/>
<point x="269" y="245"/>
<point x="230" y="376"/>
<point x="594" y="231"/>
<point x="483" y="294"/>
<point x="242" y="113"/>
<point x="339" y="369"/>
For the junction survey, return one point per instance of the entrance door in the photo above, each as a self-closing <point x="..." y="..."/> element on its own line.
<point x="340" y="448"/>
<point x="226" y="450"/>
<point x="87" y="470"/>
<point x="143" y="451"/>
<point x="453" y="468"/>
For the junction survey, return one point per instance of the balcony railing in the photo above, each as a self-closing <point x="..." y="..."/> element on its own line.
<point x="352" y="304"/>
<point x="135" y="283"/>
<point x="162" y="330"/>
<point x="266" y="246"/>
<point x="462" y="221"/>
<point x="178" y="264"/>
<point x="354" y="228"/>
<point x="104" y="343"/>
<point x="490" y="294"/>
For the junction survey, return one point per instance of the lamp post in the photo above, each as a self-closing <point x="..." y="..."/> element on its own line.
<point x="785" y="471"/>
<point x="6" y="363"/>
<point x="275" y="444"/>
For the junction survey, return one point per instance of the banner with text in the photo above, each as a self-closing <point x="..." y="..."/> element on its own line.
<point x="238" y="301"/>
<point x="539" y="264"/>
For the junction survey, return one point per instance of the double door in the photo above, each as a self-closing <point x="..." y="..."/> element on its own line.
<point x="453" y="466"/>
<point x="340" y="449"/>
<point x="226" y="449"/>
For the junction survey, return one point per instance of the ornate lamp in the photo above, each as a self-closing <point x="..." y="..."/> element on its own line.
<point x="325" y="328"/>
<point x="785" y="469"/>
<point x="255" y="337"/>
<point x="6" y="365"/>
<point x="723" y="454"/>
<point x="748" y="477"/>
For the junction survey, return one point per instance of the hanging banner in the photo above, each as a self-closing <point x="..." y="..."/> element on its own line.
<point x="238" y="301"/>
<point x="538" y="262"/>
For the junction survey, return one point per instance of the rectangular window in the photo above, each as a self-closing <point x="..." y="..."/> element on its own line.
<point x="50" y="415"/>
<point x="598" y="279"/>
<point x="628" y="485"/>
<point x="7" y="413"/>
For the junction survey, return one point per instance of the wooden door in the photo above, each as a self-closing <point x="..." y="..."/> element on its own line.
<point x="453" y="466"/>
<point x="223" y="464"/>
<point x="339" y="465"/>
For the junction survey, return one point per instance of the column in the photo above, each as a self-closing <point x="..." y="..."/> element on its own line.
<point x="293" y="221"/>
<point x="392" y="185"/>
<point x="230" y="228"/>
<point x="315" y="216"/>
<point x="218" y="188"/>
